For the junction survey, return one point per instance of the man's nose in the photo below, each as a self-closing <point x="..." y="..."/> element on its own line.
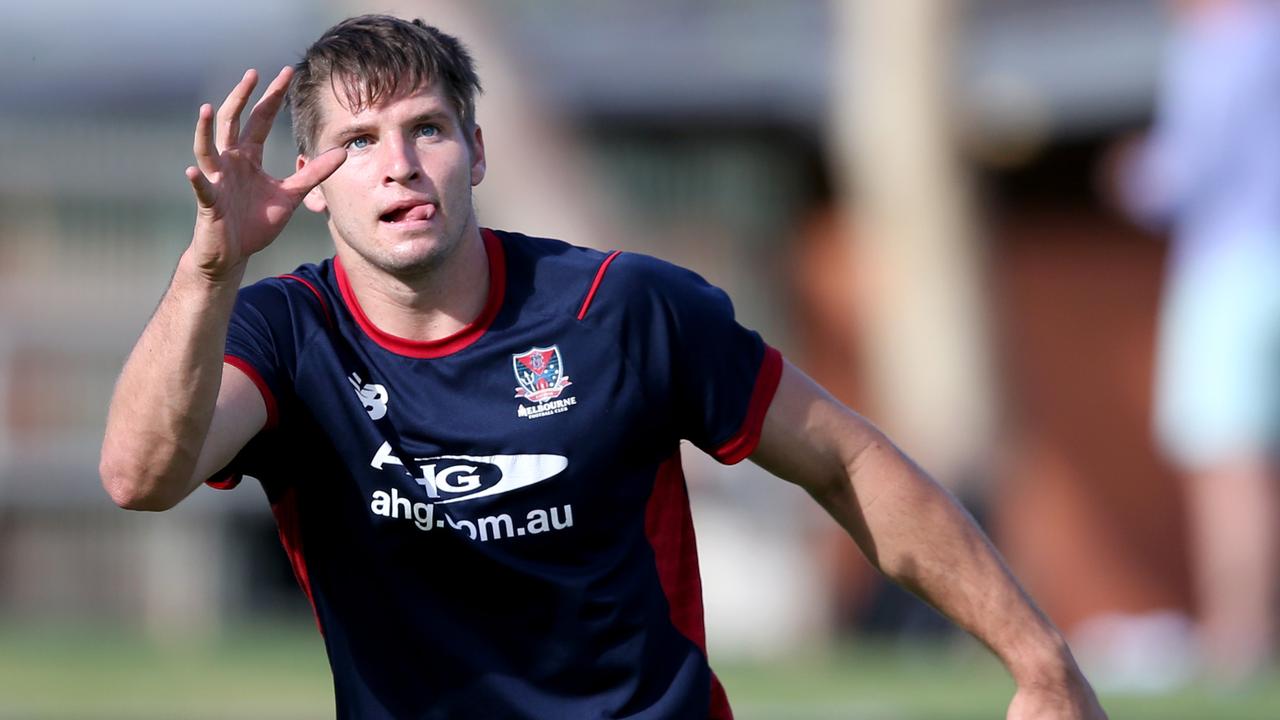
<point x="400" y="162"/>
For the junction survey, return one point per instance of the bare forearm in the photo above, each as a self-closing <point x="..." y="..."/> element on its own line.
<point x="164" y="400"/>
<point x="920" y="537"/>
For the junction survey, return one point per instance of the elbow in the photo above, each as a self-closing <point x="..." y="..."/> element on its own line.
<point x="868" y="461"/>
<point x="132" y="490"/>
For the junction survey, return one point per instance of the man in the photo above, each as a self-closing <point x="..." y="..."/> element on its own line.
<point x="470" y="438"/>
<point x="1210" y="173"/>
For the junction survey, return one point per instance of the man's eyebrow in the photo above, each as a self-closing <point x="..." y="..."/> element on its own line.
<point x="432" y="116"/>
<point x="352" y="130"/>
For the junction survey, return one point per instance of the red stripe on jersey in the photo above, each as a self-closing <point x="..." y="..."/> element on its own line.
<point x="268" y="398"/>
<point x="328" y="318"/>
<point x="595" y="284"/>
<point x="446" y="345"/>
<point x="227" y="482"/>
<point x="285" y="509"/>
<point x="668" y="524"/>
<point x="231" y="480"/>
<point x="742" y="444"/>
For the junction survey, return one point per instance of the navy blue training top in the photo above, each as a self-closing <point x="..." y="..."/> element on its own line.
<point x="496" y="524"/>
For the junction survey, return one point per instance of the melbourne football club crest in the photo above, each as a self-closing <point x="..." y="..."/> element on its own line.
<point x="540" y="372"/>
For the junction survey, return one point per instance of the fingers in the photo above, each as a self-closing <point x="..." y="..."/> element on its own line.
<point x="314" y="172"/>
<point x="201" y="185"/>
<point x="229" y="112"/>
<point x="206" y="155"/>
<point x="264" y="112"/>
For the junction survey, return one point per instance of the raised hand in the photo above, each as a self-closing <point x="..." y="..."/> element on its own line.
<point x="240" y="208"/>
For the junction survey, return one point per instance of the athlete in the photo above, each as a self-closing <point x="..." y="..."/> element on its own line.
<point x="470" y="438"/>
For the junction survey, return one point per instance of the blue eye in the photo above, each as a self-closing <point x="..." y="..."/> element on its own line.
<point x="428" y="130"/>
<point x="358" y="143"/>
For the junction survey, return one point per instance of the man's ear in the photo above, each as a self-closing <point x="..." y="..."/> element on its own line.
<point x="314" y="200"/>
<point x="477" y="156"/>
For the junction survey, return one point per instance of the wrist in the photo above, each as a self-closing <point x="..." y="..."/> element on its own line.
<point x="1045" y="662"/>
<point x="209" y="275"/>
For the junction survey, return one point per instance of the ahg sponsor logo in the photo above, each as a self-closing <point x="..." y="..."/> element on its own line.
<point x="454" y="478"/>
<point x="490" y="527"/>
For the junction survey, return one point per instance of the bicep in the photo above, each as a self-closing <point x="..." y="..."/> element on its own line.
<point x="239" y="415"/>
<point x="847" y="465"/>
<point x="811" y="439"/>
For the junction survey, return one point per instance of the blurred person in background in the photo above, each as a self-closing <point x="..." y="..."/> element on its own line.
<point x="1210" y="170"/>
<point x="372" y="394"/>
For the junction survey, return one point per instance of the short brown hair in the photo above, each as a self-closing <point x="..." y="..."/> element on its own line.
<point x="372" y="58"/>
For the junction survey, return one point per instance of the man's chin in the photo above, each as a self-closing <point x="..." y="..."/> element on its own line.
<point x="417" y="259"/>
<point x="404" y="254"/>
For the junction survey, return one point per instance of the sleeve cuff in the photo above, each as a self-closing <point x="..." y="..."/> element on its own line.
<point x="268" y="397"/>
<point x="225" y="480"/>
<point x="744" y="442"/>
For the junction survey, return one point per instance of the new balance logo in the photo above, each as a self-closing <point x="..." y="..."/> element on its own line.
<point x="374" y="397"/>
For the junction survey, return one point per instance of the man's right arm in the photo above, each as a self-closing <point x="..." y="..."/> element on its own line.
<point x="178" y="413"/>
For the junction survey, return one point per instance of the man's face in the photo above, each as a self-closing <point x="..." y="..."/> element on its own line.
<point x="402" y="199"/>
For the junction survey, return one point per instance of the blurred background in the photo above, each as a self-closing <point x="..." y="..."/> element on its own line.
<point x="927" y="206"/>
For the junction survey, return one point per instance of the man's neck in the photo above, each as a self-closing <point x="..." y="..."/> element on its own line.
<point x="423" y="307"/>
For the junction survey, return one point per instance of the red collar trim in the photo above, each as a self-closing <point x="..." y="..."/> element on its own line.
<point x="446" y="345"/>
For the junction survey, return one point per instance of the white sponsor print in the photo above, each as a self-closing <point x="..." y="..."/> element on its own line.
<point x="517" y="471"/>
<point x="373" y="396"/>
<point x="465" y="477"/>
<point x="490" y="527"/>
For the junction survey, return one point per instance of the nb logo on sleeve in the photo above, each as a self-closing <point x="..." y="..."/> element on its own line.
<point x="374" y="397"/>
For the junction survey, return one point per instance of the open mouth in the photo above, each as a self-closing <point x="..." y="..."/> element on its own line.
<point x="409" y="213"/>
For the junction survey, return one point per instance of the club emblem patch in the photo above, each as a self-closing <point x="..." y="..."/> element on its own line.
<point x="540" y="373"/>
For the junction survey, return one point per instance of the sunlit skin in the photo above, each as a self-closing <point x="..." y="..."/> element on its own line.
<point x="400" y="210"/>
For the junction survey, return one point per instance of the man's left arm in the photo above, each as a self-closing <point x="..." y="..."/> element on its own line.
<point x="916" y="533"/>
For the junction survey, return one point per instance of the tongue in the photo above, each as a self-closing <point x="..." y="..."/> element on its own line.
<point x="417" y="212"/>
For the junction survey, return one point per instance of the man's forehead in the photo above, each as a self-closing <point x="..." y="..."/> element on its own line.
<point x="344" y="102"/>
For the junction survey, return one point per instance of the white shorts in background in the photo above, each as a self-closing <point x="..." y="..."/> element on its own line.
<point x="1218" y="359"/>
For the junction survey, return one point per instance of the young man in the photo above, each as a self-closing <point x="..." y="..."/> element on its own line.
<point x="470" y="438"/>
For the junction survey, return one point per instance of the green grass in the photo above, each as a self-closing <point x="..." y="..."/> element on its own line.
<point x="92" y="672"/>
<point x="948" y="681"/>
<point x="279" y="672"/>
